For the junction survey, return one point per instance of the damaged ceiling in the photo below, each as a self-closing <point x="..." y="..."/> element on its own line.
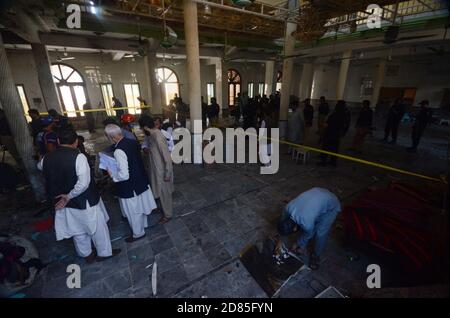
<point x="259" y="26"/>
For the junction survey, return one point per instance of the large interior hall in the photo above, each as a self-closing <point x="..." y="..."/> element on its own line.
<point x="224" y="149"/>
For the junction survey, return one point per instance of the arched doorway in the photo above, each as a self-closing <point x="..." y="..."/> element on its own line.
<point x="234" y="86"/>
<point x="168" y="80"/>
<point x="71" y="89"/>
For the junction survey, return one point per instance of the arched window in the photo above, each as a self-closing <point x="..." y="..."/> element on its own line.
<point x="169" y="83"/>
<point x="71" y="89"/>
<point x="234" y="86"/>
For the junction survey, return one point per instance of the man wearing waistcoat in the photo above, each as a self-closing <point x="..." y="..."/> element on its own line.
<point x="132" y="186"/>
<point x="79" y="210"/>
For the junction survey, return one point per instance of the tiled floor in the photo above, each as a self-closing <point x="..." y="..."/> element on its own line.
<point x="220" y="209"/>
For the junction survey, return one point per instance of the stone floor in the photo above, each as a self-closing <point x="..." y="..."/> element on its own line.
<point x="219" y="210"/>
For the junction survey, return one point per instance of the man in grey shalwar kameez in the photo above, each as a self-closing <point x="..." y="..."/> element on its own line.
<point x="296" y="126"/>
<point x="160" y="166"/>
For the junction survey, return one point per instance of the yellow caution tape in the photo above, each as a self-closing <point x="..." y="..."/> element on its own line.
<point x="358" y="160"/>
<point x="99" y="110"/>
<point x="362" y="161"/>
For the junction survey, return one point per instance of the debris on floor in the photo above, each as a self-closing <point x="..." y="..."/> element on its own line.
<point x="43" y="225"/>
<point x="269" y="271"/>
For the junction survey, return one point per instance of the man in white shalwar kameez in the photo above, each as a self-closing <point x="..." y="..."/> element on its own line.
<point x="80" y="212"/>
<point x="132" y="187"/>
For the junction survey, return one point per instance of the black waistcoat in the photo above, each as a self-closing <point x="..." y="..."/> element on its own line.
<point x="61" y="176"/>
<point x="138" y="180"/>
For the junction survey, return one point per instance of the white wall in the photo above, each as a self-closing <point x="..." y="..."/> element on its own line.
<point x="430" y="75"/>
<point x="324" y="81"/>
<point x="24" y="72"/>
<point x="97" y="68"/>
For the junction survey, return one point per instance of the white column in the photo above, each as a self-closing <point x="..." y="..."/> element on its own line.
<point x="306" y="81"/>
<point x="378" y="82"/>
<point x="193" y="70"/>
<point x="288" y="66"/>
<point x="269" y="78"/>
<point x="156" y="101"/>
<point x="11" y="105"/>
<point x="217" y="62"/>
<point x="45" y="77"/>
<point x="193" y="58"/>
<point x="343" y="72"/>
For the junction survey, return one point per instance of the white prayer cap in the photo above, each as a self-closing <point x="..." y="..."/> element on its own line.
<point x="112" y="130"/>
<point x="166" y="121"/>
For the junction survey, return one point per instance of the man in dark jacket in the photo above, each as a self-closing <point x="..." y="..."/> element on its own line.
<point x="324" y="110"/>
<point x="422" y="119"/>
<point x="182" y="111"/>
<point x="213" y="111"/>
<point x="363" y="126"/>
<point x="308" y="116"/>
<point x="35" y="124"/>
<point x="204" y="112"/>
<point x="60" y="121"/>
<point x="394" y="118"/>
<point x="336" y="128"/>
<point x="308" y="113"/>
<point x="118" y="104"/>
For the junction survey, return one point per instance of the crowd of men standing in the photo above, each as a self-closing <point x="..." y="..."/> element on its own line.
<point x="143" y="178"/>
<point x="332" y="124"/>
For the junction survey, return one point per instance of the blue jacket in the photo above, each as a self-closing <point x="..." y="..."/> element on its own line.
<point x="310" y="208"/>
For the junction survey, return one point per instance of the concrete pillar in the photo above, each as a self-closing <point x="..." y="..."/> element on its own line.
<point x="193" y="58"/>
<point x="194" y="79"/>
<point x="288" y="66"/>
<point x="306" y="81"/>
<point x="45" y="77"/>
<point x="343" y="72"/>
<point x="378" y="82"/>
<point x="224" y="106"/>
<point x="269" y="78"/>
<point x="156" y="99"/>
<point x="219" y="81"/>
<point x="11" y="105"/>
